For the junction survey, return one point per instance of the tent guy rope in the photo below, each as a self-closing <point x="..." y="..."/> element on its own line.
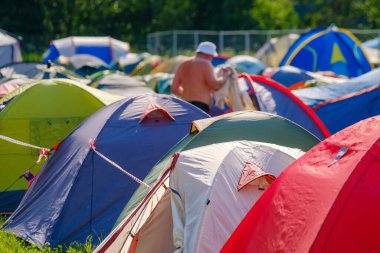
<point x="93" y="147"/>
<point x="43" y="151"/>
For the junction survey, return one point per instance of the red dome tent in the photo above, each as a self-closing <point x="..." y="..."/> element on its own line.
<point x="327" y="201"/>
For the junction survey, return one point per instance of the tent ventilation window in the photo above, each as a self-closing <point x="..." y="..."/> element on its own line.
<point x="254" y="175"/>
<point x="155" y="112"/>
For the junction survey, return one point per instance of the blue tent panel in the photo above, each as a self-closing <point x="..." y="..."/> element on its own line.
<point x="52" y="54"/>
<point x="289" y="76"/>
<point x="343" y="104"/>
<point x="102" y="52"/>
<point x="346" y="112"/>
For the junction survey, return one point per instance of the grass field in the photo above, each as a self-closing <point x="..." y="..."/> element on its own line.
<point x="12" y="244"/>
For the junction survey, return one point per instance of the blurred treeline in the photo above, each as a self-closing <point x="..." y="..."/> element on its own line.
<point x="39" y="21"/>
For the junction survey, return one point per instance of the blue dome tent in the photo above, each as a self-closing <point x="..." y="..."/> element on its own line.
<point x="78" y="193"/>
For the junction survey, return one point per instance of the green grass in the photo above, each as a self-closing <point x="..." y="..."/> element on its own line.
<point x="9" y="243"/>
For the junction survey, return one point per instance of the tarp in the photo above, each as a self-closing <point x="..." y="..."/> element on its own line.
<point x="9" y="49"/>
<point x="343" y="104"/>
<point x="251" y="125"/>
<point x="106" y="49"/>
<point x="41" y="113"/>
<point x="272" y="97"/>
<point x="79" y="194"/>
<point x="327" y="201"/>
<point x="328" y="49"/>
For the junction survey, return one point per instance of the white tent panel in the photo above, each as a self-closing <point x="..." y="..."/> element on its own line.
<point x="206" y="204"/>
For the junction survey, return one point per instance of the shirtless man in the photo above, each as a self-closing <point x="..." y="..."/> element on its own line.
<point x="194" y="80"/>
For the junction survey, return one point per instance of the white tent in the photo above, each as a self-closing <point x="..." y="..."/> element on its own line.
<point x="212" y="188"/>
<point x="272" y="52"/>
<point x="107" y="49"/>
<point x="9" y="49"/>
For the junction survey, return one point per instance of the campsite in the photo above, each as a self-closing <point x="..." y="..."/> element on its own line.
<point x="189" y="126"/>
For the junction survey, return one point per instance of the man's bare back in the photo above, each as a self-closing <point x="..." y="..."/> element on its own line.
<point x="195" y="80"/>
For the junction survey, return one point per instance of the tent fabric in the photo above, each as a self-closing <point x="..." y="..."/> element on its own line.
<point x="372" y="43"/>
<point x="37" y="71"/>
<point x="106" y="49"/>
<point x="274" y="98"/>
<point x="292" y="77"/>
<point x="374" y="55"/>
<point x="78" y="194"/>
<point x="170" y="65"/>
<point x="327" y="201"/>
<point x="343" y="104"/>
<point x="328" y="49"/>
<point x="246" y="64"/>
<point x="205" y="197"/>
<point x="129" y="62"/>
<point x="41" y="113"/>
<point x="219" y="59"/>
<point x="147" y="65"/>
<point x="8" y="85"/>
<point x="272" y="52"/>
<point x="32" y="70"/>
<point x="81" y="60"/>
<point x="10" y="50"/>
<point x="120" y="84"/>
<point x="252" y="125"/>
<point x="153" y="236"/>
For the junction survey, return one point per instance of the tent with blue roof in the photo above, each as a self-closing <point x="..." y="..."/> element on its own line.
<point x="107" y="49"/>
<point x="274" y="98"/>
<point x="87" y="182"/>
<point x="343" y="104"/>
<point x="328" y="49"/>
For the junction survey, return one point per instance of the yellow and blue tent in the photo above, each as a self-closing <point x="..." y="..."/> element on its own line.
<point x="328" y="49"/>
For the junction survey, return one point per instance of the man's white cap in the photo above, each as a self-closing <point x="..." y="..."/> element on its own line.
<point x="207" y="47"/>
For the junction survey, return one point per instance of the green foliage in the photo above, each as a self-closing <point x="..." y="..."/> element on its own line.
<point x="9" y="243"/>
<point x="40" y="21"/>
<point x="278" y="14"/>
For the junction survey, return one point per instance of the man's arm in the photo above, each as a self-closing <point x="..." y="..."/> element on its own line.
<point x="212" y="81"/>
<point x="176" y="85"/>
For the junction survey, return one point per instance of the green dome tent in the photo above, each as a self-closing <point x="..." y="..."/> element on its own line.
<point x="41" y="113"/>
<point x="236" y="126"/>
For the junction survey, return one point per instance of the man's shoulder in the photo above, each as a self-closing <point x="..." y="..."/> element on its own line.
<point x="186" y="63"/>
